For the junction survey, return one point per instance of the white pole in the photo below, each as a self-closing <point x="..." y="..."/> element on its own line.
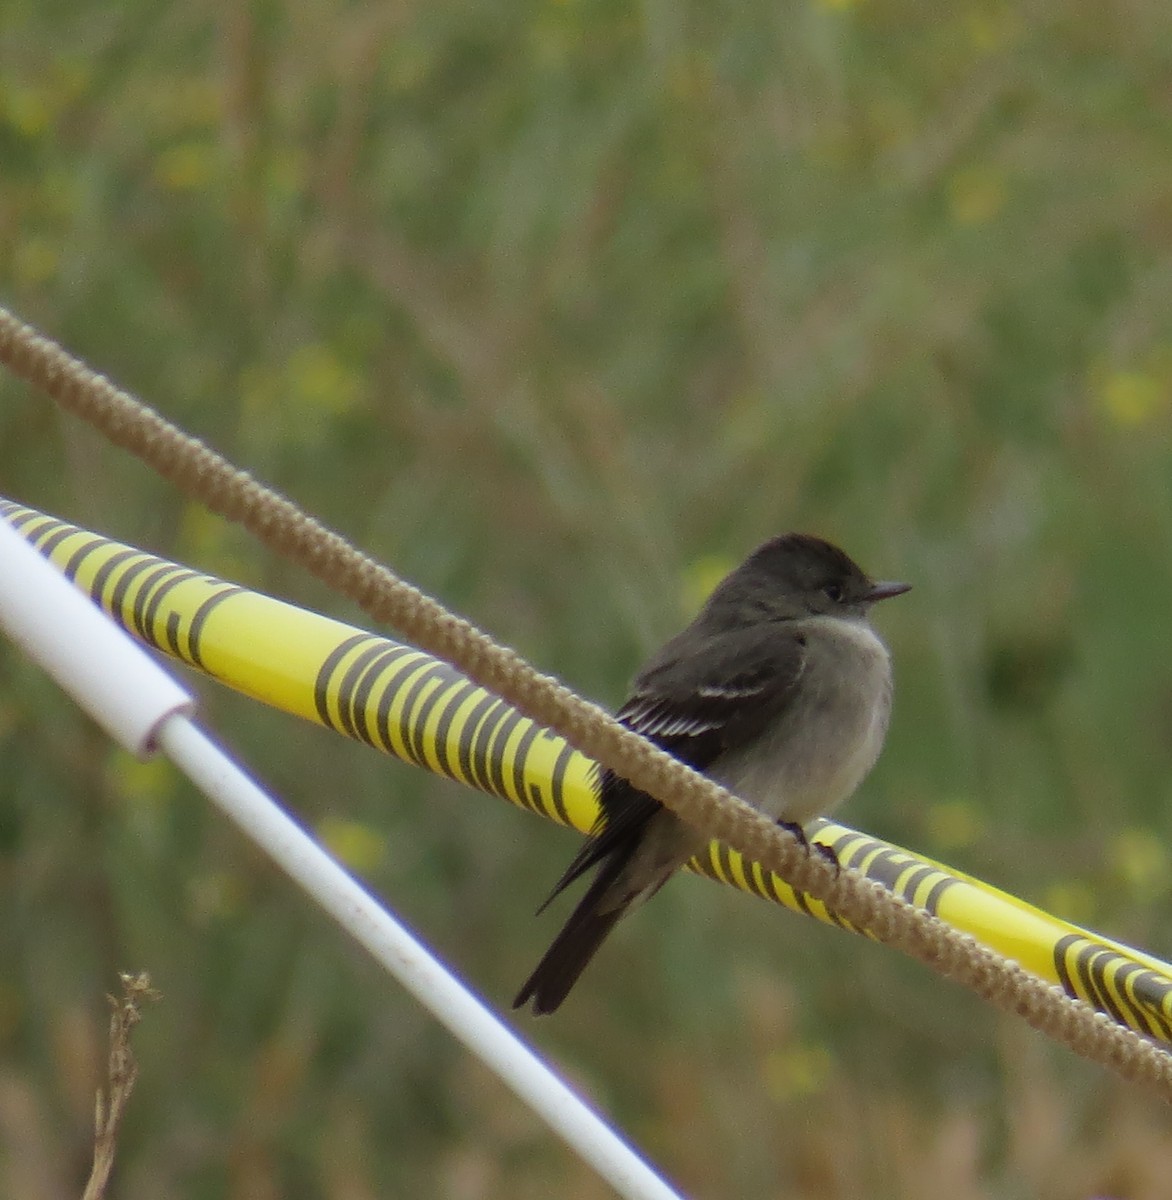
<point x="392" y="945"/>
<point x="109" y="675"/>
<point x="142" y="707"/>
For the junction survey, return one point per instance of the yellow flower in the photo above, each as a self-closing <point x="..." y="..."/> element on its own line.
<point x="1071" y="901"/>
<point x="27" y="110"/>
<point x="35" y="260"/>
<point x="977" y="195"/>
<point x="187" y="167"/>
<point x="953" y="825"/>
<point x="701" y="576"/>
<point x="359" y="846"/>
<point x="1141" y="860"/>
<point x="798" y="1071"/>
<point x="1131" y="398"/>
<point x="992" y="29"/>
<point x="146" y="784"/>
<point x="217" y="546"/>
<point x="322" y="382"/>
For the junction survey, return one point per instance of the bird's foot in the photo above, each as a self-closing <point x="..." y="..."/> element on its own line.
<point x="830" y="855"/>
<point x="823" y="851"/>
<point x="796" y="832"/>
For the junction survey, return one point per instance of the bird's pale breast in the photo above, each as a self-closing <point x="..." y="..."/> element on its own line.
<point x="829" y="738"/>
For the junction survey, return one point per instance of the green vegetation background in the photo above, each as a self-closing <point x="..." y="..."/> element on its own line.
<point x="559" y="308"/>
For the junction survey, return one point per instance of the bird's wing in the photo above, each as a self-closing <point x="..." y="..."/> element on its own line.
<point x="706" y="703"/>
<point x="696" y="708"/>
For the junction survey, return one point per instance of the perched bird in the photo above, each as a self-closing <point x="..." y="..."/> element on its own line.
<point x="780" y="690"/>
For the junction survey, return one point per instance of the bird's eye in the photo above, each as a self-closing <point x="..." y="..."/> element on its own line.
<point x="834" y="592"/>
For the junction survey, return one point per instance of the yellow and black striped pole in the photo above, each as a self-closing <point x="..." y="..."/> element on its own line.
<point x="423" y="711"/>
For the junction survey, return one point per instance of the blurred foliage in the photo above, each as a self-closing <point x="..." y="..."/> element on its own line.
<point x="558" y="307"/>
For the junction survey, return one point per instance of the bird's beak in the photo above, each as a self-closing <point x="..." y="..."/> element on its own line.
<point x="885" y="589"/>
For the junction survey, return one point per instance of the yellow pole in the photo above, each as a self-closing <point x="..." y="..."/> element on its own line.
<point x="423" y="711"/>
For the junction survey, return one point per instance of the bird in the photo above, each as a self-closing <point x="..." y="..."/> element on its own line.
<point x="779" y="689"/>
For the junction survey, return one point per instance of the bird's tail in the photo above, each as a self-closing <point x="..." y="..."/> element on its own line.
<point x="589" y="923"/>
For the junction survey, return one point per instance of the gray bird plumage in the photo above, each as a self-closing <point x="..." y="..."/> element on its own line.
<point x="779" y="689"/>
